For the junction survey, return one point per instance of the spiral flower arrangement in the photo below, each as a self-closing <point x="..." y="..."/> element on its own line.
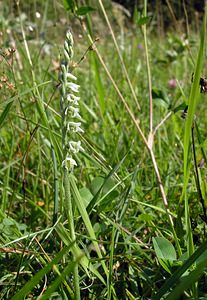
<point x="69" y="102"/>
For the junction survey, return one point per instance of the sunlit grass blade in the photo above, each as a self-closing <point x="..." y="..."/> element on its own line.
<point x="193" y="101"/>
<point x="96" y="73"/>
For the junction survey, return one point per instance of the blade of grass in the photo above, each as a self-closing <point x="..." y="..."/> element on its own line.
<point x="56" y="283"/>
<point x="82" y="210"/>
<point x="65" y="237"/>
<point x="109" y="279"/>
<point x="193" y="101"/>
<point x="37" y="277"/>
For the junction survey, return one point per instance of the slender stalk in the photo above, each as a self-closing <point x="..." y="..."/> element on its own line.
<point x="69" y="213"/>
<point x="56" y="200"/>
<point x="148" y="70"/>
<point x="162" y="122"/>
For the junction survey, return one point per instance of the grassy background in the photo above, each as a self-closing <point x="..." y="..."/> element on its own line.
<point x="115" y="190"/>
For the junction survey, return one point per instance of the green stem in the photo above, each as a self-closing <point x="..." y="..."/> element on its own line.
<point x="69" y="213"/>
<point x="148" y="69"/>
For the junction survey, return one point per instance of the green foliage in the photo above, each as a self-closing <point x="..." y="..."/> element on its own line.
<point x="143" y="20"/>
<point x="165" y="252"/>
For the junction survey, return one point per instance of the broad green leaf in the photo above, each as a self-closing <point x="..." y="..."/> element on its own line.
<point x="160" y="94"/>
<point x="180" y="107"/>
<point x="86" y="219"/>
<point x="160" y="103"/>
<point x="96" y="184"/>
<point x="164" y="249"/>
<point x="165" y="252"/>
<point x="86" y="195"/>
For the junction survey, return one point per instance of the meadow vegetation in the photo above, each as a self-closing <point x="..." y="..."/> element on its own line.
<point x="129" y="220"/>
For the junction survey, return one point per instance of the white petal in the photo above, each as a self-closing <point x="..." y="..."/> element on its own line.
<point x="75" y="127"/>
<point x="75" y="112"/>
<point x="69" y="163"/>
<point x="75" y="147"/>
<point x="73" y="99"/>
<point x="73" y="86"/>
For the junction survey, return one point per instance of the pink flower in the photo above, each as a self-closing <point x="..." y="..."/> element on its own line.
<point x="172" y="83"/>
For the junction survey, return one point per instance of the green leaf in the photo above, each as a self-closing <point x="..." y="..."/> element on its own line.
<point x="105" y="205"/>
<point x="96" y="184"/>
<point x="5" y="112"/>
<point x="86" y="218"/>
<point x="99" y="83"/>
<point x="83" y="10"/>
<point x="165" y="252"/>
<point x="164" y="249"/>
<point x="160" y="103"/>
<point x="180" y="107"/>
<point x="143" y="20"/>
<point x="160" y="94"/>
<point x="86" y="195"/>
<point x="69" y="5"/>
<point x="145" y="217"/>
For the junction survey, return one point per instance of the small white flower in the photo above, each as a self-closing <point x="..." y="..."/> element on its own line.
<point x="38" y="15"/>
<point x="75" y="147"/>
<point x="75" y="127"/>
<point x="70" y="76"/>
<point x="69" y="163"/>
<point x="73" y="99"/>
<point x="73" y="86"/>
<point x="75" y="112"/>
